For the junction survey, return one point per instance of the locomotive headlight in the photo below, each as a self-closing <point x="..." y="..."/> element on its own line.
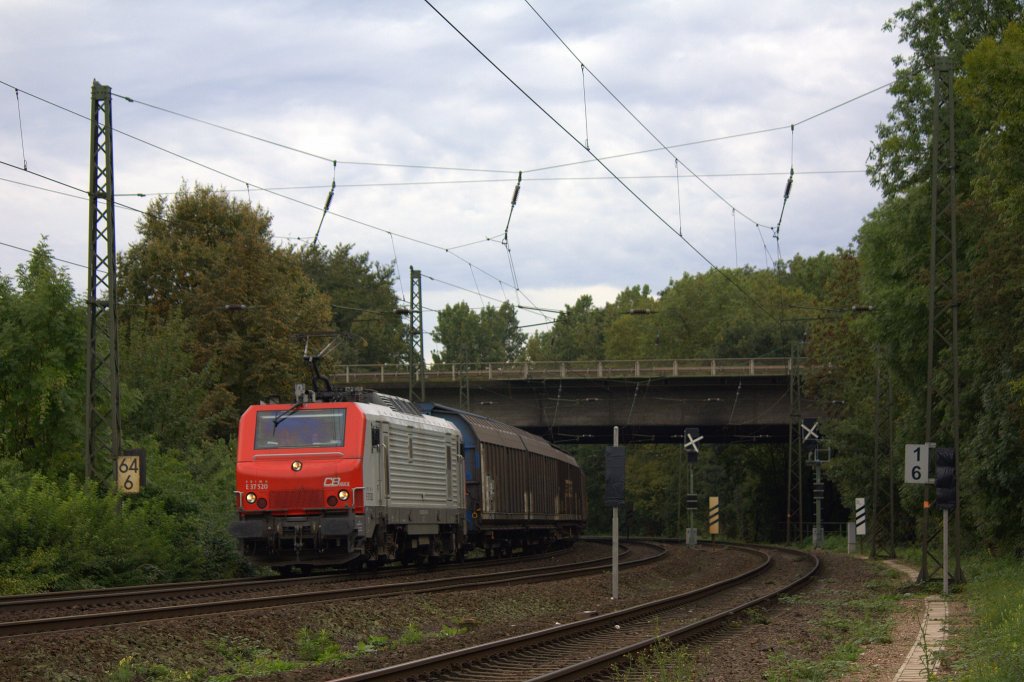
<point x="250" y="498"/>
<point x="342" y="495"/>
<point x="296" y="465"/>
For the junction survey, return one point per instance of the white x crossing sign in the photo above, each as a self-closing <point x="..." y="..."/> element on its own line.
<point x="809" y="430"/>
<point x="693" y="439"/>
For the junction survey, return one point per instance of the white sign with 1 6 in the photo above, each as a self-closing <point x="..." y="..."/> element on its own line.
<point x="916" y="463"/>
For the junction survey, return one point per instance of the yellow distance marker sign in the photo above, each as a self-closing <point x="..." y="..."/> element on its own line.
<point x="129" y="471"/>
<point x="713" y="515"/>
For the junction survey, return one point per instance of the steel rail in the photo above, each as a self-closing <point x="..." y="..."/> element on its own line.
<point x="200" y="588"/>
<point x="536" y="574"/>
<point x="483" y="661"/>
<point x="586" y="670"/>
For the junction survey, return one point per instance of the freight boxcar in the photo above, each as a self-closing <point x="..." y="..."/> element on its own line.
<point x="521" y="491"/>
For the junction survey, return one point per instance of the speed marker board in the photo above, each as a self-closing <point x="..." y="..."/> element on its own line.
<point x="915" y="468"/>
<point x="130" y="469"/>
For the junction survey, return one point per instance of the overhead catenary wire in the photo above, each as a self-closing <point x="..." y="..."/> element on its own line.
<point x="586" y="119"/>
<point x="327" y="205"/>
<point x="679" y="199"/>
<point x="392" y="235"/>
<point x="629" y="189"/>
<point x="297" y="150"/>
<point x="84" y="195"/>
<point x="720" y="138"/>
<point x="38" y="187"/>
<point x="21" y="130"/>
<point x="635" y="118"/>
<point x="785" y="194"/>
<point x="300" y="202"/>
<point x="256" y="186"/>
<point x="60" y="260"/>
<point x="735" y="240"/>
<point x="412" y="166"/>
<point x="304" y="152"/>
<point x="789" y="183"/>
<point x="565" y="178"/>
<point x="477" y="285"/>
<point x="504" y="241"/>
<point x="462" y="288"/>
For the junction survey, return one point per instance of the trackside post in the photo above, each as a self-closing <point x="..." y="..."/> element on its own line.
<point x="614" y="497"/>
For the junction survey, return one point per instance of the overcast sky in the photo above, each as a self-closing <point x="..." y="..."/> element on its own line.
<point x="429" y="136"/>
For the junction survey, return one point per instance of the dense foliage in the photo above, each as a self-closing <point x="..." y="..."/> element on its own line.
<point x="468" y="337"/>
<point x="42" y="360"/>
<point x="209" y="312"/>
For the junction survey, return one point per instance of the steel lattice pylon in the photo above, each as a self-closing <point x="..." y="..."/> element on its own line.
<point x="417" y="366"/>
<point x="102" y="395"/>
<point x="882" y="516"/>
<point x="942" y="414"/>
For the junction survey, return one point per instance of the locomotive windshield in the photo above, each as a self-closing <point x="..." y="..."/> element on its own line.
<point x="300" y="429"/>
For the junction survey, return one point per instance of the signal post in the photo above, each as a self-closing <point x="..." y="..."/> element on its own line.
<point x="614" y="497"/>
<point x="692" y="447"/>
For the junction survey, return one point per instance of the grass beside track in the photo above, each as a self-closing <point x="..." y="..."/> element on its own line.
<point x="989" y="644"/>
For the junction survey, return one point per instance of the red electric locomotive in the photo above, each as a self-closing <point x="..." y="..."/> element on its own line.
<point x="364" y="477"/>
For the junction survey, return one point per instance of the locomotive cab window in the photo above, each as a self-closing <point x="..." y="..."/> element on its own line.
<point x="300" y="429"/>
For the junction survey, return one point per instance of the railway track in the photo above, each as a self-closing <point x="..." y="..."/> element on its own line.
<point x="602" y="647"/>
<point x="93" y="608"/>
<point x="112" y="598"/>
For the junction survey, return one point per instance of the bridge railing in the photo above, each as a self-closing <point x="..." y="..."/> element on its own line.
<point x="585" y="369"/>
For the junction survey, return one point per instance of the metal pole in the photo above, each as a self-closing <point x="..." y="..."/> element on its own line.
<point x="690" y="511"/>
<point x="873" y="522"/>
<point x="615" y="532"/>
<point x="943" y="394"/>
<point x="679" y="492"/>
<point x="945" y="551"/>
<point x="102" y="380"/>
<point x="819" y="539"/>
<point x="892" y="478"/>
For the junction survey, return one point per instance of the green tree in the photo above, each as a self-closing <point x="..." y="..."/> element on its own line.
<point x="900" y="158"/>
<point x="42" y="344"/>
<point x="893" y="248"/>
<point x="731" y="313"/>
<point x="492" y="335"/>
<point x="364" y="307"/>
<point x="577" y="334"/>
<point x="162" y="393"/>
<point x="993" y="358"/>
<point x="633" y="331"/>
<point x="211" y="259"/>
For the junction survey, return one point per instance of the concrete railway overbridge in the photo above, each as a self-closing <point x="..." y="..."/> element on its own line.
<point x="651" y="401"/>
